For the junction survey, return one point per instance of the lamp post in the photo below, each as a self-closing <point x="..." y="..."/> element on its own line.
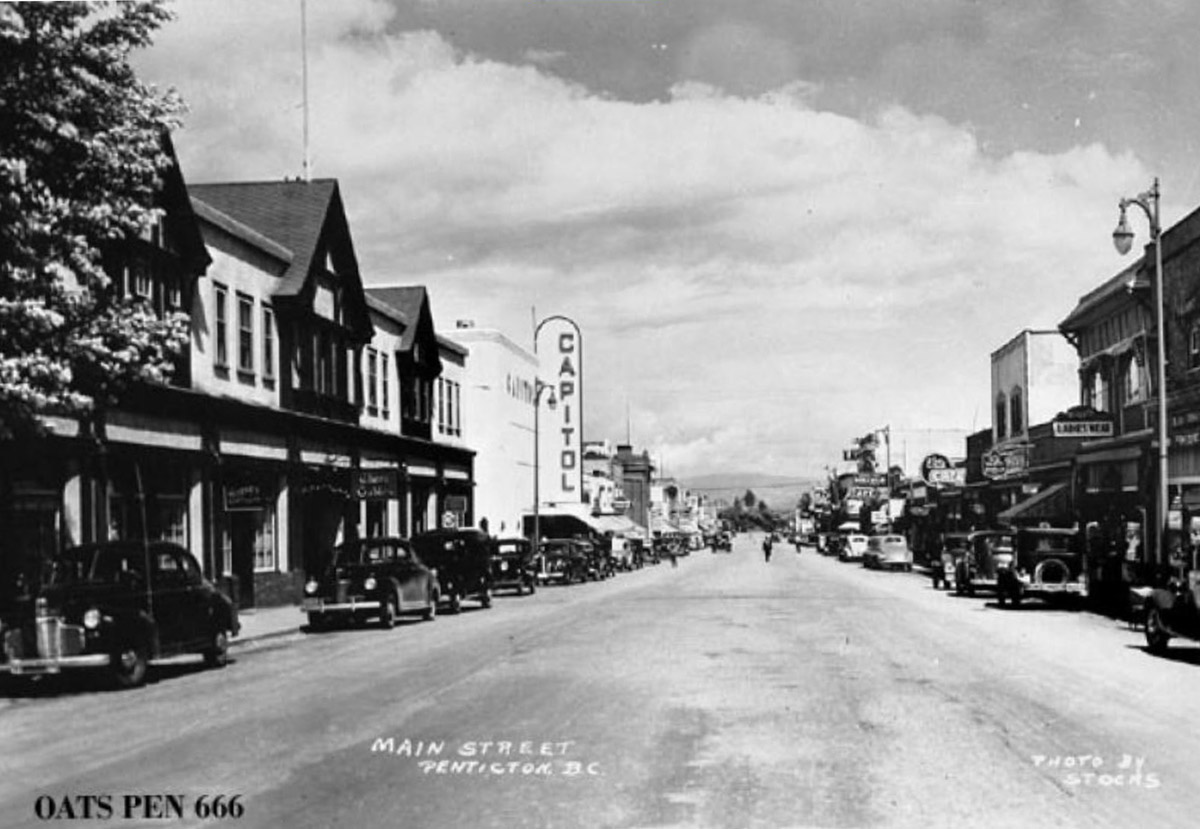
<point x="537" y="497"/>
<point x="1123" y="240"/>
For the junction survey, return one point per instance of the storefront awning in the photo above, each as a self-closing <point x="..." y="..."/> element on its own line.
<point x="1047" y="505"/>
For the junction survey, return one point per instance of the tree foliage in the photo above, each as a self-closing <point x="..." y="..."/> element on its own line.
<point x="81" y="157"/>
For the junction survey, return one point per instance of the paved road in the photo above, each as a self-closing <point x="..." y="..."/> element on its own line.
<point x="725" y="693"/>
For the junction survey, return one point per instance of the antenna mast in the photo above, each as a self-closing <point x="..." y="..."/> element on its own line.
<point x="304" y="82"/>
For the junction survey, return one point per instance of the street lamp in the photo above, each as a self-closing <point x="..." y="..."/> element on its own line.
<point x="537" y="497"/>
<point x="1123" y="241"/>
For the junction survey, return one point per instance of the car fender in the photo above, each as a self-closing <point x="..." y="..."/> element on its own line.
<point x="140" y="627"/>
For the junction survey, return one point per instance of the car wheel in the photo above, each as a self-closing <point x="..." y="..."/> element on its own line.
<point x="431" y="608"/>
<point x="217" y="654"/>
<point x="316" y="621"/>
<point x="1002" y="598"/>
<point x="1016" y="597"/>
<point x="1156" y="634"/>
<point x="387" y="613"/>
<point x="485" y="598"/>
<point x="455" y="603"/>
<point x="129" y="665"/>
<point x="532" y="588"/>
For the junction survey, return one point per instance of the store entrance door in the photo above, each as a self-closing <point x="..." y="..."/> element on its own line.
<point x="242" y="528"/>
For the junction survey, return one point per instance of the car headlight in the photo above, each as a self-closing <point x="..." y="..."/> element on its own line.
<point x="370" y="583"/>
<point x="310" y="587"/>
<point x="91" y="619"/>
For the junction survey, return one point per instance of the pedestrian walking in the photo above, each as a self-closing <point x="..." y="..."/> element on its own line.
<point x="767" y="548"/>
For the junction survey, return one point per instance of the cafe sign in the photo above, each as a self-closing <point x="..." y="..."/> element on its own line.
<point x="938" y="472"/>
<point x="376" y="484"/>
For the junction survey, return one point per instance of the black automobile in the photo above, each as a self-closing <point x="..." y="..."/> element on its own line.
<point x="562" y="560"/>
<point x="513" y="567"/>
<point x="463" y="561"/>
<point x="600" y="563"/>
<point x="96" y="608"/>
<point x="1048" y="563"/>
<point x="370" y="578"/>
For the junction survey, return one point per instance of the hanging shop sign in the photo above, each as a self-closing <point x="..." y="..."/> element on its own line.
<point x="938" y="472"/>
<point x="376" y="484"/>
<point x="1006" y="462"/>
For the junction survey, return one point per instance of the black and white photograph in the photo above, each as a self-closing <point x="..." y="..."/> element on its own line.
<point x="600" y="414"/>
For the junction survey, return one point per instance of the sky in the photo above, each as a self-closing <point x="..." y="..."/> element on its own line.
<point x="779" y="224"/>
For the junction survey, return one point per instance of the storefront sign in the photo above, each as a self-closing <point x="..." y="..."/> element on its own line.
<point x="376" y="484"/>
<point x="938" y="472"/>
<point x="563" y="439"/>
<point x="247" y="496"/>
<point x="1083" y="428"/>
<point x="1006" y="462"/>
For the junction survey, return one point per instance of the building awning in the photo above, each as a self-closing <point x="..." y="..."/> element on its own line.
<point x="1120" y="453"/>
<point x="1047" y="505"/>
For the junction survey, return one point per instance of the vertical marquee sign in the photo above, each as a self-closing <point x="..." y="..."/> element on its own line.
<point x="559" y="346"/>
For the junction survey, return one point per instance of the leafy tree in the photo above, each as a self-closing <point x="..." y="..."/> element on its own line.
<point x="749" y="499"/>
<point x="806" y="502"/>
<point x="82" y="149"/>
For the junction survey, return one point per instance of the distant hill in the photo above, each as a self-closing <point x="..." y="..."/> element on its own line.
<point x="781" y="492"/>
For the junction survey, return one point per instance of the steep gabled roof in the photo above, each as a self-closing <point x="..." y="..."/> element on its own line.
<point x="290" y="213"/>
<point x="408" y="301"/>
<point x="294" y="221"/>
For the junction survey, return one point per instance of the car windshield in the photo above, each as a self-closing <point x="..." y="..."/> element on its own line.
<point x="508" y="548"/>
<point x="1048" y="544"/>
<point x="368" y="552"/>
<point x="96" y="564"/>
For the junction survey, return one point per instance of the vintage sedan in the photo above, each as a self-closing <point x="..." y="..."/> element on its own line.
<point x="952" y="548"/>
<point x="370" y="578"/>
<point x="1048" y="563"/>
<point x="853" y="547"/>
<point x="1173" y="610"/>
<point x="96" y="608"/>
<point x="463" y="562"/>
<point x="562" y="560"/>
<point x="888" y="552"/>
<point x="988" y="553"/>
<point x="513" y="567"/>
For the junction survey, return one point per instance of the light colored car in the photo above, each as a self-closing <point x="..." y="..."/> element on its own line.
<point x="888" y="552"/>
<point x="854" y="547"/>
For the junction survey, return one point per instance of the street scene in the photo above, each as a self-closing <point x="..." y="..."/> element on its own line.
<point x="727" y="692"/>
<point x="645" y="414"/>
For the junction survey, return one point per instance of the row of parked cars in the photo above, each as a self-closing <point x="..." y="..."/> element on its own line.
<point x="116" y="606"/>
<point x="1049" y="564"/>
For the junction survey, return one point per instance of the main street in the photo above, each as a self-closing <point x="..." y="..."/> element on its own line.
<point x="727" y="692"/>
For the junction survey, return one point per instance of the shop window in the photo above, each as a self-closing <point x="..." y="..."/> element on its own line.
<point x="221" y="313"/>
<point x="1001" y="418"/>
<point x="265" y="558"/>
<point x="376" y="518"/>
<point x="245" y="334"/>
<point x="173" y="519"/>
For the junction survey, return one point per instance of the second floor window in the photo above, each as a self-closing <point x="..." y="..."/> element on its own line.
<point x="441" y="395"/>
<point x="1017" y="412"/>
<point x="245" y="334"/>
<point x="221" y="314"/>
<point x="372" y="380"/>
<point x="1194" y="345"/>
<point x="1001" y="418"/>
<point x="1133" y="380"/>
<point x="383" y="374"/>
<point x="268" y="341"/>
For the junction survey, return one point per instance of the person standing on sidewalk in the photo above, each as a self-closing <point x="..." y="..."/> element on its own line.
<point x="767" y="548"/>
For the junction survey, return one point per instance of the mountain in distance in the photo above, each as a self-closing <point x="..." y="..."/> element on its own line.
<point x="781" y="492"/>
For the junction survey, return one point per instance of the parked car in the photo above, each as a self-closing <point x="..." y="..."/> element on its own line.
<point x="1048" y="563"/>
<point x="96" y="608"/>
<point x="853" y="547"/>
<point x="599" y="561"/>
<point x="561" y="560"/>
<point x="943" y="565"/>
<point x="513" y="567"/>
<point x="462" y="560"/>
<point x="888" y="552"/>
<point x="370" y="578"/>
<point x="988" y="552"/>
<point x="721" y="542"/>
<point x="1173" y="610"/>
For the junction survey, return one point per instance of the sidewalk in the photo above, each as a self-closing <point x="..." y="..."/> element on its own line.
<point x="268" y="622"/>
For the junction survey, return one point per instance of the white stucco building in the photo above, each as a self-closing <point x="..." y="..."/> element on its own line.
<point x="498" y="382"/>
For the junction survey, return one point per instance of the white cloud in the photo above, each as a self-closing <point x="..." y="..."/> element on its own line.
<point x="761" y="280"/>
